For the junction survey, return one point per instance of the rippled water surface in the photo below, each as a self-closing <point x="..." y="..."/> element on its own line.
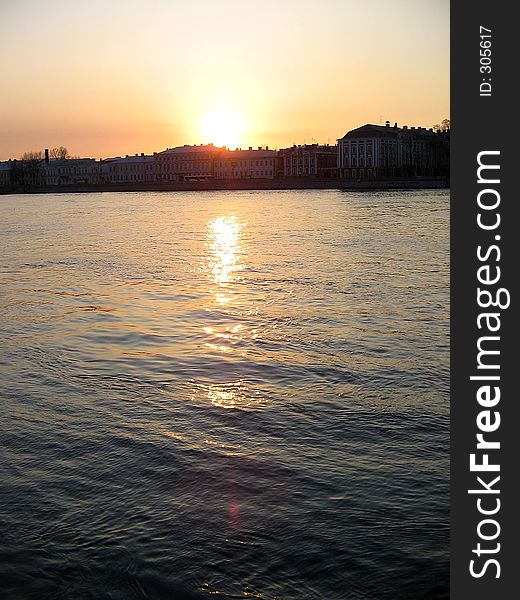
<point x="224" y="395"/>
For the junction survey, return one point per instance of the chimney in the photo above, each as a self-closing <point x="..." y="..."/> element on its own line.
<point x="387" y="124"/>
<point x="267" y="147"/>
<point x="250" y="147"/>
<point x="395" y="125"/>
<point x="46" y="156"/>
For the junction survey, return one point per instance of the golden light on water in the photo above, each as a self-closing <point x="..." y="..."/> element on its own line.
<point x="224" y="259"/>
<point x="234" y="395"/>
<point x="224" y="397"/>
<point x="225" y="251"/>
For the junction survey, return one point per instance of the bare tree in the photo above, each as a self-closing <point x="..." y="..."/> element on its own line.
<point x="60" y="153"/>
<point x="34" y="155"/>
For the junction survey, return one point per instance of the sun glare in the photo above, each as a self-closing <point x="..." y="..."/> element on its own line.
<point x="222" y="127"/>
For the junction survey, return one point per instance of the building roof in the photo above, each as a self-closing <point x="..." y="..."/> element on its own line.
<point x="370" y="130"/>
<point x="129" y="159"/>
<point x="190" y="149"/>
<point x="251" y="154"/>
<point x="64" y="162"/>
<point x="312" y="147"/>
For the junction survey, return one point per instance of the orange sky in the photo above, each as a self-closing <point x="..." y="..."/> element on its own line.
<point x="108" y="77"/>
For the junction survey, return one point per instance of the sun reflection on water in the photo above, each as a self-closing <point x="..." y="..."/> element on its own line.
<point x="235" y="395"/>
<point x="224" y="397"/>
<point x="224" y="243"/>
<point x="224" y="259"/>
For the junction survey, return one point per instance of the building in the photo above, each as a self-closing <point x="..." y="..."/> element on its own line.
<point x="374" y="151"/>
<point x="68" y="171"/>
<point x="139" y="168"/>
<point x="5" y="175"/>
<point x="28" y="173"/>
<point x="246" y="164"/>
<point x="309" y="160"/>
<point x="187" y="163"/>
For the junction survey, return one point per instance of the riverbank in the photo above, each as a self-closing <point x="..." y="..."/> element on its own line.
<point x="282" y="183"/>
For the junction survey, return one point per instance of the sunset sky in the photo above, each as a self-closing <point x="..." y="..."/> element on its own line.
<point x="112" y="77"/>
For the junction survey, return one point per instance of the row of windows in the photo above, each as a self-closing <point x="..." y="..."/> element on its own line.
<point x="257" y="173"/>
<point x="164" y="164"/>
<point x="138" y="177"/>
<point x="300" y="161"/>
<point x="359" y="151"/>
<point x="299" y="171"/>
<point x="72" y="171"/>
<point x="130" y="168"/>
<point x="361" y="163"/>
<point x="244" y="163"/>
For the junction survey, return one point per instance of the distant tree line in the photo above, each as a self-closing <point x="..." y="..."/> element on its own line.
<point x="60" y="153"/>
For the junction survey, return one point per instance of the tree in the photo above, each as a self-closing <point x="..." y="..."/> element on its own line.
<point x="60" y="153"/>
<point x="29" y="171"/>
<point x="444" y="126"/>
<point x="34" y="155"/>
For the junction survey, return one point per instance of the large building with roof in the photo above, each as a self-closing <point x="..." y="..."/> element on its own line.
<point x="67" y="171"/>
<point x="381" y="151"/>
<point x="139" y="168"/>
<point x="205" y="162"/>
<point x="309" y="160"/>
<point x="247" y="164"/>
<point x="187" y="163"/>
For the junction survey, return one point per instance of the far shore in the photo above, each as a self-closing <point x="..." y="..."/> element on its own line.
<point x="281" y="183"/>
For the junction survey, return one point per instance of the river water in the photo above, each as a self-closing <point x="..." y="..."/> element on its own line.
<point x="225" y="395"/>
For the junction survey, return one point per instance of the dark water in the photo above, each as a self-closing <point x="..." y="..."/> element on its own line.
<point x="224" y="395"/>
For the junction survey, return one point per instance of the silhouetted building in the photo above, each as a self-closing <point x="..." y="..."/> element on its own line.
<point x="68" y="171"/>
<point x="373" y="151"/>
<point x="187" y="163"/>
<point x="139" y="168"/>
<point x="309" y="160"/>
<point x="5" y="174"/>
<point x="27" y="173"/>
<point x="246" y="164"/>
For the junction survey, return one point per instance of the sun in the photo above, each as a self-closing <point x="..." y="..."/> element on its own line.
<point x="222" y="127"/>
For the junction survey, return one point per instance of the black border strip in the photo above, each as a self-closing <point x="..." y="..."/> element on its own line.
<point x="483" y="123"/>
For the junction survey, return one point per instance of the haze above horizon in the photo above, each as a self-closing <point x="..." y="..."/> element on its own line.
<point x="119" y="77"/>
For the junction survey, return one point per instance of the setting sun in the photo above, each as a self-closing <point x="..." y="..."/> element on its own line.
<point x="222" y="127"/>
